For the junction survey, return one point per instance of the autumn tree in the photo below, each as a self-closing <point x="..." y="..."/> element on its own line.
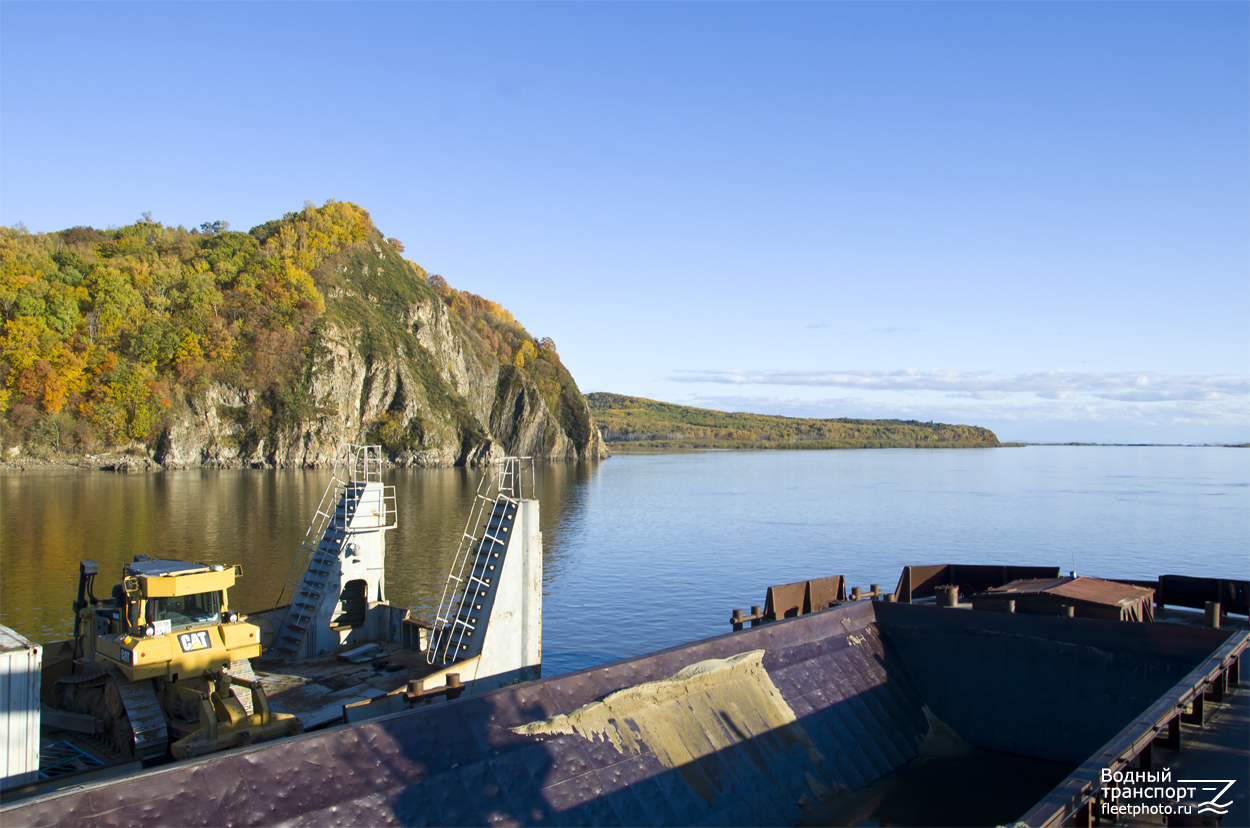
<point x="527" y="354"/>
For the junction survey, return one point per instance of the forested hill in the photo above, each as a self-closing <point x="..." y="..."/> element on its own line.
<point x="642" y="423"/>
<point x="212" y="347"/>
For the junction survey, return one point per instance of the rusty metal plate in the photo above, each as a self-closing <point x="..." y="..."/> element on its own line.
<point x="785" y="601"/>
<point x="822" y="592"/>
<point x="922" y="581"/>
<point x="1091" y="597"/>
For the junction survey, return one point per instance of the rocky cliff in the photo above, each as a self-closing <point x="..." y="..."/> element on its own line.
<point x="389" y="362"/>
<point x="272" y="347"/>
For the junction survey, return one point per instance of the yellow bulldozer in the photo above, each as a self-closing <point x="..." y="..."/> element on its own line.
<point x="161" y="667"/>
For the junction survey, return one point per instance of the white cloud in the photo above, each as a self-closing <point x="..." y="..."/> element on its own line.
<point x="1007" y="408"/>
<point x="1123" y="386"/>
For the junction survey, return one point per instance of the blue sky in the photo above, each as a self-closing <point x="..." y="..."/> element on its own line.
<point x="1029" y="216"/>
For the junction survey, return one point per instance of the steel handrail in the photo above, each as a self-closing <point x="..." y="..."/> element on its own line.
<point x="506" y="482"/>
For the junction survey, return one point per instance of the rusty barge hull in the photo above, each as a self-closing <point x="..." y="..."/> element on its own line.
<point x="764" y="726"/>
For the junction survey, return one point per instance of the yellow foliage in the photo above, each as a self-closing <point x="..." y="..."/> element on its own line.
<point x="526" y="353"/>
<point x="189" y="357"/>
<point x="20" y="344"/>
<point x="65" y="378"/>
<point x="41" y="365"/>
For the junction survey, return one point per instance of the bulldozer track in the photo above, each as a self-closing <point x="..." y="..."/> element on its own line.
<point x="242" y="669"/>
<point x="147" y="720"/>
<point x="84" y="680"/>
<point x="139" y="727"/>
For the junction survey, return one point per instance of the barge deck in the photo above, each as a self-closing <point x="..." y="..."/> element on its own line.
<point x="782" y="723"/>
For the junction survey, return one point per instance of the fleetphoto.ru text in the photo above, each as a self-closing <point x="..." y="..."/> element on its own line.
<point x="1154" y="793"/>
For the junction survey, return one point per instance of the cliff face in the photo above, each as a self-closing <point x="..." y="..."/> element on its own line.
<point x="390" y="362"/>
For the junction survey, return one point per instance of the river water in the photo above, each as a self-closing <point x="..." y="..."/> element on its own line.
<point x="646" y="551"/>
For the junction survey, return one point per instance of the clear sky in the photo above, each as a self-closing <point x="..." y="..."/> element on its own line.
<point x="1029" y="216"/>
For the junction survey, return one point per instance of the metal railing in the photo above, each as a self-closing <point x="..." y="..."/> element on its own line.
<point x="498" y="497"/>
<point x="354" y="468"/>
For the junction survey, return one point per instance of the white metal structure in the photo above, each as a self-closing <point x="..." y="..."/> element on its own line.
<point x="20" y="664"/>
<point x="340" y="566"/>
<point x="477" y="565"/>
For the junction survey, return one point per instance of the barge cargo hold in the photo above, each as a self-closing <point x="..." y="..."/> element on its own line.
<point x="784" y="723"/>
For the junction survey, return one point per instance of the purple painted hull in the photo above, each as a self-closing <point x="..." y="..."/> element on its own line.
<point x="857" y="679"/>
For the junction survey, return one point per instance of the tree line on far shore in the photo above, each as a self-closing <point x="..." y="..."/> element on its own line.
<point x="641" y="423"/>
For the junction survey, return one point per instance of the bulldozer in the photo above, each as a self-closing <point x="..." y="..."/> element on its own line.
<point x="161" y="667"/>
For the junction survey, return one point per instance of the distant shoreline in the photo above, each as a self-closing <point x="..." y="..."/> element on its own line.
<point x="797" y="445"/>
<point x="626" y="446"/>
<point x="639" y="422"/>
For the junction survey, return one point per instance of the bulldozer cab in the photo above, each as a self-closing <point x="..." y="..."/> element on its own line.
<point x="175" y="594"/>
<point x="166" y="619"/>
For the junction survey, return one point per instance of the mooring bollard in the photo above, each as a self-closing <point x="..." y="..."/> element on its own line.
<point x="889" y="598"/>
<point x="418" y="692"/>
<point x="738" y="620"/>
<point x="854" y="593"/>
<point x="947" y="595"/>
<point x="1213" y="615"/>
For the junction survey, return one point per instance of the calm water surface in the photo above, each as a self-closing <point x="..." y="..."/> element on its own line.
<point x="646" y="551"/>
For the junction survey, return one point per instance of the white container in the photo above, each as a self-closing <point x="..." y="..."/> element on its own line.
<point x="20" y="663"/>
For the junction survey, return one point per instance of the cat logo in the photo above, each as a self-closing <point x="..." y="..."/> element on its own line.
<point x="197" y="640"/>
